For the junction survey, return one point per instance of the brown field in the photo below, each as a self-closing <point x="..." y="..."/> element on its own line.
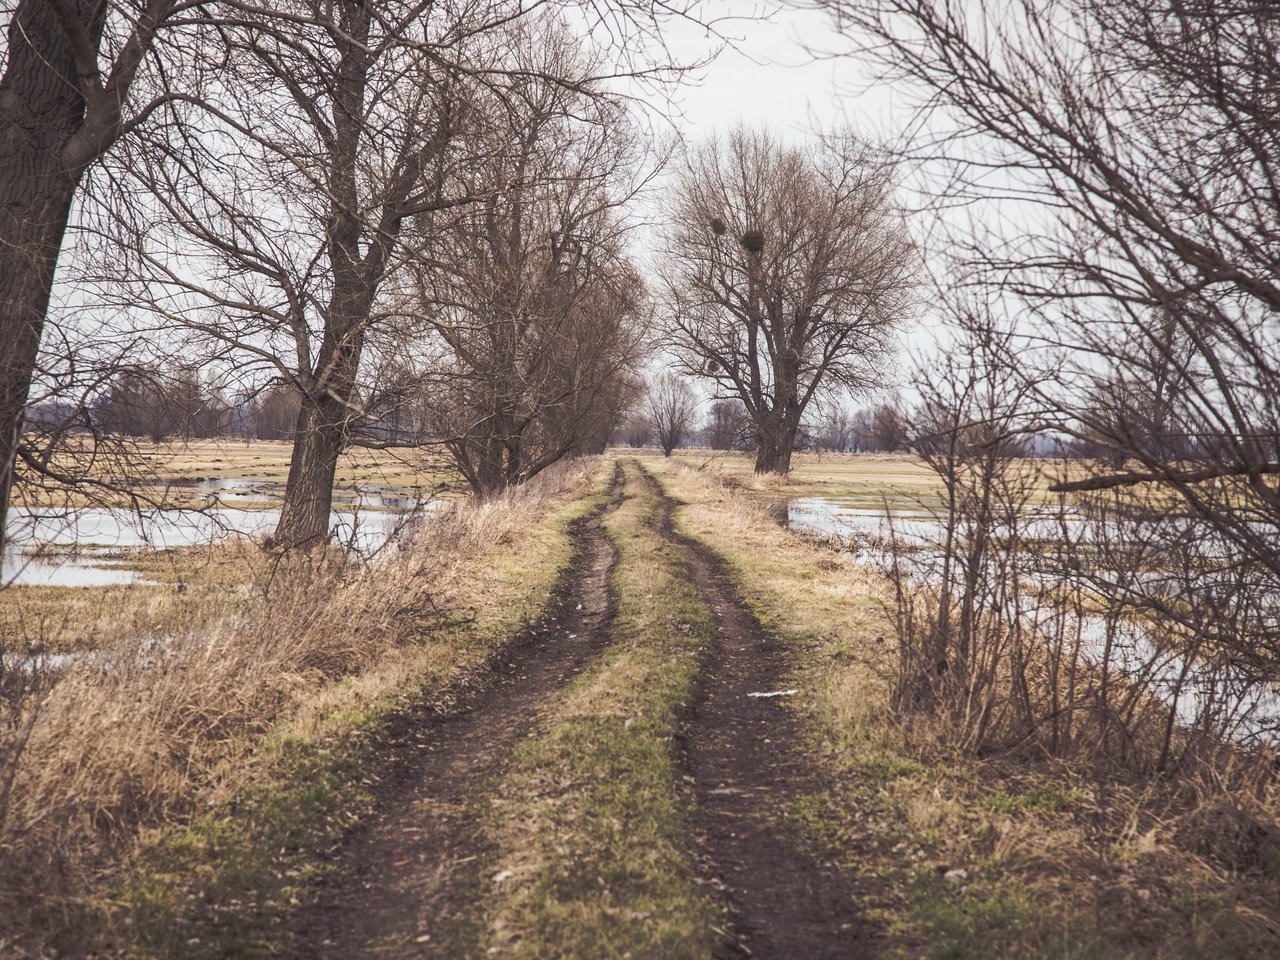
<point x="902" y="481"/>
<point x="168" y="468"/>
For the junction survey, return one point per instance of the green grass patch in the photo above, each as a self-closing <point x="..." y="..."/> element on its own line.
<point x="996" y="920"/>
<point x="589" y="833"/>
<point x="1045" y="797"/>
<point x="219" y="886"/>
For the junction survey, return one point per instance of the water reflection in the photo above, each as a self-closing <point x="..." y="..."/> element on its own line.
<point x="86" y="570"/>
<point x="220" y="490"/>
<point x="86" y="539"/>
<point x="830" y="518"/>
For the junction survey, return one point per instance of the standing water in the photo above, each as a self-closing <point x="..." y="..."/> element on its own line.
<point x="85" y="540"/>
<point x="1254" y="710"/>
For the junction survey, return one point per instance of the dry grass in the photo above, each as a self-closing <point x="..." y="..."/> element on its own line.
<point x="176" y="584"/>
<point x="1001" y="856"/>
<point x="157" y="725"/>
<point x="265" y="463"/>
<point x="862" y="480"/>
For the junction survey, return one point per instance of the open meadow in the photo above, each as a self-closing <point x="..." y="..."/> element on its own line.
<point x="639" y="480"/>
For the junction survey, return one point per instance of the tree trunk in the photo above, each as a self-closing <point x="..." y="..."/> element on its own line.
<point x="308" y="500"/>
<point x="496" y="449"/>
<point x="40" y="111"/>
<point x="325" y="418"/>
<point x="324" y="423"/>
<point x="775" y="442"/>
<point x="774" y="457"/>
<point x="491" y="475"/>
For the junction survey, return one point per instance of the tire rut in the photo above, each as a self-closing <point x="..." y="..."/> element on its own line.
<point x="392" y="887"/>
<point x="745" y="757"/>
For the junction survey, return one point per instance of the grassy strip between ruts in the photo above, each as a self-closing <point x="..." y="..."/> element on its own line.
<point x="587" y="829"/>
<point x="221" y="885"/>
<point x="962" y="857"/>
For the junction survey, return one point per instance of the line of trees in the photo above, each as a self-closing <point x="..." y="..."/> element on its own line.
<point x="390" y="210"/>
<point x="529" y="292"/>
<point x="669" y="416"/>
<point x="162" y="403"/>
<point x="428" y="183"/>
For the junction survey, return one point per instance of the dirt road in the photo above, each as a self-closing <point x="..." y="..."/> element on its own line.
<point x="391" y="887"/>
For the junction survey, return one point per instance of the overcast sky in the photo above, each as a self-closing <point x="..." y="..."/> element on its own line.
<point x="770" y="77"/>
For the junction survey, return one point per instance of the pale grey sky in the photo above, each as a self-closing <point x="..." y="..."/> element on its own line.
<point x="770" y="77"/>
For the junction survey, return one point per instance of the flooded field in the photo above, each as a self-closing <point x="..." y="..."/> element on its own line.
<point x="1251" y="712"/>
<point x="831" y="518"/>
<point x="79" y="547"/>
<point x="212" y="490"/>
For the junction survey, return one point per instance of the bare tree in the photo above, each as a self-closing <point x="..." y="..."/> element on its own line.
<point x="529" y="290"/>
<point x="636" y="430"/>
<point x="273" y="413"/>
<point x="67" y="95"/>
<point x="881" y="428"/>
<point x="728" y="426"/>
<point x="785" y="271"/>
<point x="1134" y="149"/>
<point x="835" y="430"/>
<point x="965" y="428"/>
<point x="673" y="407"/>
<point x="159" y="403"/>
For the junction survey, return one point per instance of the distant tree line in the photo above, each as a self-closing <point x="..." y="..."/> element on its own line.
<point x="159" y="404"/>
<point x="669" y="417"/>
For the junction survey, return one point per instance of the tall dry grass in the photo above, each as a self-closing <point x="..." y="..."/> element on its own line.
<point x="1016" y="762"/>
<point x="141" y="733"/>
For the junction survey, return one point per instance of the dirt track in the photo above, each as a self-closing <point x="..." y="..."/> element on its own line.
<point x="396" y="877"/>
<point x="391" y="887"/>
<point x="746" y="758"/>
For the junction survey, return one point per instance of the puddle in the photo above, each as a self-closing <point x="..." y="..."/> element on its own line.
<point x="829" y="518"/>
<point x="1247" y="710"/>
<point x="39" y="662"/>
<point x="18" y="569"/>
<point x="222" y="490"/>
